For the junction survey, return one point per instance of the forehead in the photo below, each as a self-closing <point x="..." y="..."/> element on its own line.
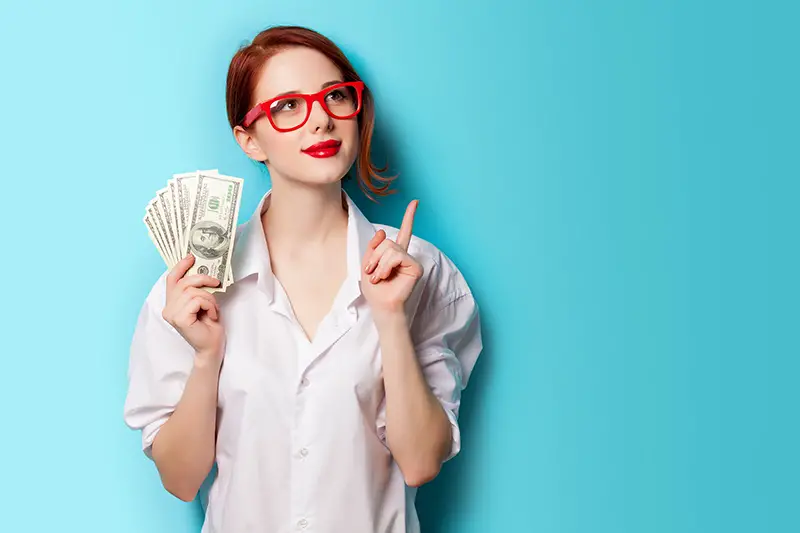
<point x="295" y="69"/>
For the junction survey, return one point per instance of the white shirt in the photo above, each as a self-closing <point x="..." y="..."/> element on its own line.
<point x="301" y="425"/>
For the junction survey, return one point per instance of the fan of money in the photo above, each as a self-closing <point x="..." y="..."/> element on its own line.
<point x="197" y="213"/>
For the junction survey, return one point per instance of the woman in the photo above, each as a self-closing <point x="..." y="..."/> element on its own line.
<point x="325" y="383"/>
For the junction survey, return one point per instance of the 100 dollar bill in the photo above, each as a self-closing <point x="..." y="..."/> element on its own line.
<point x="211" y="226"/>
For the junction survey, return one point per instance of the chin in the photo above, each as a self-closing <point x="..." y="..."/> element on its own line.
<point x="323" y="179"/>
<point x="326" y="170"/>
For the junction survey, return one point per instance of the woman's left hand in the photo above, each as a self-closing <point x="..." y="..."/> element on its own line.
<point x="389" y="272"/>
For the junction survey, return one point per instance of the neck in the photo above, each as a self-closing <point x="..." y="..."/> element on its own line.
<point x="300" y="216"/>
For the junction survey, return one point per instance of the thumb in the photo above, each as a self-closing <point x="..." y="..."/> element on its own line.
<point x="179" y="270"/>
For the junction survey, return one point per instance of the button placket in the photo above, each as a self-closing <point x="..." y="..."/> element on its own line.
<point x="302" y="475"/>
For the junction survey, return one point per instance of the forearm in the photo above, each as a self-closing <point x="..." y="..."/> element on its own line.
<point x="184" y="447"/>
<point x="418" y="431"/>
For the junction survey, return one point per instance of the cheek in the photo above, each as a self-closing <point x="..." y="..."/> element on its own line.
<point x="349" y="133"/>
<point x="279" y="146"/>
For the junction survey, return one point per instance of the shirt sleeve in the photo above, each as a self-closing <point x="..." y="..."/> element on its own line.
<point x="160" y="362"/>
<point x="447" y="338"/>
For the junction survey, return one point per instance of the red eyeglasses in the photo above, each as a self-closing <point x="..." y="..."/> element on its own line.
<point x="291" y="111"/>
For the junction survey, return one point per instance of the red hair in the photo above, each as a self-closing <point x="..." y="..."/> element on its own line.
<point x="247" y="64"/>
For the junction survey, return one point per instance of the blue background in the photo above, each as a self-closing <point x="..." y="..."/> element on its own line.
<point x="617" y="180"/>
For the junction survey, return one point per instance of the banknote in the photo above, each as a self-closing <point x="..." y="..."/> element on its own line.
<point x="197" y="213"/>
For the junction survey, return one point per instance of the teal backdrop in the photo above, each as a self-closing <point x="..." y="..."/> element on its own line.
<point x="617" y="180"/>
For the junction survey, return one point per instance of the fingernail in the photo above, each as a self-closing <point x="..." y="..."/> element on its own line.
<point x="374" y="278"/>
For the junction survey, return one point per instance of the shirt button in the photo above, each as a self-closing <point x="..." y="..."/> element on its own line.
<point x="303" y="452"/>
<point x="302" y="523"/>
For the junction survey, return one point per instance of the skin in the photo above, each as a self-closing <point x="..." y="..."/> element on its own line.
<point x="305" y="226"/>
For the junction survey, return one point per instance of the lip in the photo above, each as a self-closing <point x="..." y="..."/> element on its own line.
<point x="327" y="148"/>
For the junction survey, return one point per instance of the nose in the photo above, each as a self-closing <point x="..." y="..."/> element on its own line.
<point x="318" y="119"/>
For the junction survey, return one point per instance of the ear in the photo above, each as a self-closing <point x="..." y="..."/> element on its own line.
<point x="248" y="144"/>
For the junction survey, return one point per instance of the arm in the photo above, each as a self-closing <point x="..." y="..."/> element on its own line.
<point x="425" y="366"/>
<point x="173" y="375"/>
<point x="184" y="448"/>
<point x="418" y="431"/>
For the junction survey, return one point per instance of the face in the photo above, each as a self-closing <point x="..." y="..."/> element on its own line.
<point x="208" y="239"/>
<point x="287" y="154"/>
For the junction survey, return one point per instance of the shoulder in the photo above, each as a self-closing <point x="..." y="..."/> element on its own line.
<point x="157" y="296"/>
<point x="441" y="278"/>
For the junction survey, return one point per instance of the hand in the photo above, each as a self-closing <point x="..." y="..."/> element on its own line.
<point x="194" y="312"/>
<point x="389" y="272"/>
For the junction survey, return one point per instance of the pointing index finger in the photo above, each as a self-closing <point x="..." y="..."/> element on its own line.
<point x="404" y="235"/>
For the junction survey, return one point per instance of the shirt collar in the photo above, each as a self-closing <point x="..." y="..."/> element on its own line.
<point x="251" y="253"/>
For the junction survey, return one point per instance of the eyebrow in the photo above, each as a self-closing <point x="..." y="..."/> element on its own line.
<point x="295" y="91"/>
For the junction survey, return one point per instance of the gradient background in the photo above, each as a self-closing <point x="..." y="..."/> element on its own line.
<point x="617" y="180"/>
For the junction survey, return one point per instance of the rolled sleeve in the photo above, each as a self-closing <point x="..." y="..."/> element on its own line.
<point x="160" y="362"/>
<point x="448" y="343"/>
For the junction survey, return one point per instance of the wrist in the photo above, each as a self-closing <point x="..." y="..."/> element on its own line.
<point x="207" y="360"/>
<point x="390" y="318"/>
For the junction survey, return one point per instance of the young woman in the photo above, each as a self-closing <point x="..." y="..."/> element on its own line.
<point x="325" y="383"/>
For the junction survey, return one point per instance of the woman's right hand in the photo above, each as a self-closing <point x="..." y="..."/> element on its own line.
<point x="194" y="312"/>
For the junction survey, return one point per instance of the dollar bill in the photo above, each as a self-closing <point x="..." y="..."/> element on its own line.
<point x="161" y="232"/>
<point x="197" y="213"/>
<point x="164" y="208"/>
<point x="152" y="232"/>
<point x="211" y="231"/>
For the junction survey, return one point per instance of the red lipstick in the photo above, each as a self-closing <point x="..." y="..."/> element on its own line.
<point x="327" y="148"/>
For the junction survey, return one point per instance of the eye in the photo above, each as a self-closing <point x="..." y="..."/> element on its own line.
<point x="284" y="105"/>
<point x="337" y="95"/>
